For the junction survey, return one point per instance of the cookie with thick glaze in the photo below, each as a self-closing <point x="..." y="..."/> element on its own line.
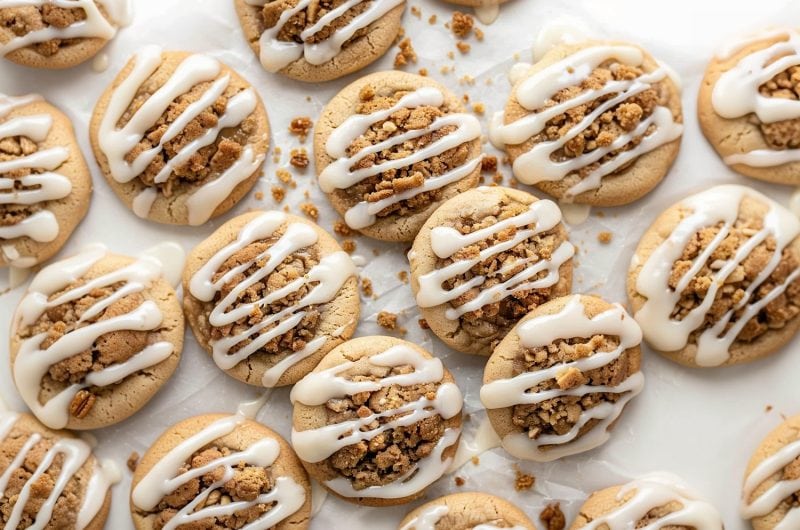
<point x="748" y="106"/>
<point x="483" y="260"/>
<point x="594" y="123"/>
<point x="45" y="184"/>
<point x="220" y="471"/>
<point x="41" y="34"/>
<point x="465" y="511"/>
<point x="714" y="280"/>
<point x="268" y="295"/>
<point x="377" y="421"/>
<point x="392" y="147"/>
<point x="63" y="484"/>
<point x="559" y="381"/>
<point x="179" y="137"/>
<point x="319" y="40"/>
<point x="94" y="338"/>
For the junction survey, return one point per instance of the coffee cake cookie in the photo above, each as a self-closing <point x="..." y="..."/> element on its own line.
<point x="50" y="479"/>
<point x="45" y="184"/>
<point x="559" y="381"/>
<point x="592" y="123"/>
<point x="319" y="40"/>
<point x="94" y="338"/>
<point x="714" y="280"/>
<point x="268" y="295"/>
<point x="466" y="511"/>
<point x="58" y="33"/>
<point x="749" y="106"/>
<point x="220" y="471"/>
<point x="377" y="421"/>
<point x="771" y="492"/>
<point x="485" y="259"/>
<point x="179" y="137"/>
<point x="390" y="148"/>
<point x="658" y="500"/>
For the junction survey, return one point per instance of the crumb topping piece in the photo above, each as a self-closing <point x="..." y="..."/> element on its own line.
<point x="784" y="134"/>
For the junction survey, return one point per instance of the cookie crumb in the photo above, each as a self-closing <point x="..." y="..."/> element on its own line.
<point x="459" y="481"/>
<point x="605" y="237"/>
<point x="387" y="320"/>
<point x="366" y="287"/>
<point x="489" y="164"/>
<point x="768" y="409"/>
<point x="463" y="47"/>
<point x="284" y="175"/>
<point x="299" y="158"/>
<point x="433" y="19"/>
<point x="476" y="461"/>
<point x="310" y="210"/>
<point x="478" y="33"/>
<point x="259" y="195"/>
<point x="406" y="54"/>
<point x="497" y="179"/>
<point x="133" y="461"/>
<point x="349" y="246"/>
<point x="403" y="276"/>
<point x="276" y="154"/>
<point x="423" y="324"/>
<point x="416" y="11"/>
<point x="341" y="228"/>
<point x="278" y="194"/>
<point x="423" y="72"/>
<point x="552" y="517"/>
<point x="523" y="482"/>
<point x="479" y="108"/>
<point x="461" y="24"/>
<point x="300" y="127"/>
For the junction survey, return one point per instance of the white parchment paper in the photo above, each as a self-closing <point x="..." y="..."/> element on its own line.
<point x="701" y="425"/>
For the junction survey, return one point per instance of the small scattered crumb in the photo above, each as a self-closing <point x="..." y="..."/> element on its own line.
<point x="489" y="164"/>
<point x="553" y="518"/>
<point x="349" y="246"/>
<point x="600" y="213"/>
<point x="497" y="178"/>
<point x="284" y="176"/>
<point x="423" y="324"/>
<point x="299" y="158"/>
<point x="423" y="72"/>
<point x="376" y="252"/>
<point x="259" y="195"/>
<point x="432" y="20"/>
<point x="366" y="286"/>
<point x="605" y="237"/>
<point x="387" y="320"/>
<point x="278" y="194"/>
<point x="768" y="408"/>
<point x="444" y="70"/>
<point x="133" y="461"/>
<point x="403" y="276"/>
<point x="341" y="228"/>
<point x="476" y="461"/>
<point x="461" y="24"/>
<point x="460" y="481"/>
<point x="310" y="210"/>
<point x="416" y="11"/>
<point x="276" y="154"/>
<point x="300" y="127"/>
<point x="478" y="33"/>
<point x="451" y="55"/>
<point x="479" y="108"/>
<point x="406" y="54"/>
<point x="463" y="47"/>
<point x="524" y="481"/>
<point x="467" y="80"/>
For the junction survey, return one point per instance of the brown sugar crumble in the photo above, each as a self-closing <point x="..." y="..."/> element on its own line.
<point x="403" y="276"/>
<point x="349" y="246"/>
<point x="459" y="481"/>
<point x="23" y="20"/>
<point x="433" y="19"/>
<point x="553" y="518"/>
<point x="423" y="72"/>
<point x="299" y="158"/>
<point x="133" y="461"/>
<point x="423" y="324"/>
<point x="416" y="11"/>
<point x="406" y="55"/>
<point x="300" y="127"/>
<point x="278" y="194"/>
<point x="463" y="47"/>
<point x="387" y="320"/>
<point x="461" y="24"/>
<point x="489" y="164"/>
<point x="310" y="210"/>
<point x="783" y="134"/>
<point x="366" y="287"/>
<point x="523" y="481"/>
<point x="259" y="195"/>
<point x="605" y="237"/>
<point x="341" y="228"/>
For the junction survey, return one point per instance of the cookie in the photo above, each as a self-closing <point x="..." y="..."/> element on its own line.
<point x="94" y="338"/>
<point x="51" y="478"/>
<point x="485" y="259"/>
<point x="658" y="500"/>
<point x="377" y="421"/>
<point x="714" y="280"/>
<point x="559" y="381"/>
<point x="592" y="123"/>
<point x="771" y="494"/>
<point x="390" y="148"/>
<point x="220" y="471"/>
<point x="45" y="184"/>
<point x="179" y="137"/>
<point x="317" y="41"/>
<point x="47" y="34"/>
<point x="476" y="3"/>
<point x="748" y="106"/>
<point x="465" y="511"/>
<point x="268" y="295"/>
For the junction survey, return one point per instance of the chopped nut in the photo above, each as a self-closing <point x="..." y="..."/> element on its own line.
<point x="278" y="194"/>
<point x="82" y="403"/>
<point x="406" y="54"/>
<point x="524" y="481"/>
<point x="387" y="320"/>
<point x="349" y="246"/>
<point x="299" y="158"/>
<point x="310" y="210"/>
<point x="300" y="127"/>
<point x="553" y="518"/>
<point x="461" y="24"/>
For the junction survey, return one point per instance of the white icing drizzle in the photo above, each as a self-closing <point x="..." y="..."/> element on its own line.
<point x="329" y="275"/>
<point x="315" y="445"/>
<point x="33" y="362"/>
<point x="339" y="175"/>
<point x="276" y="54"/>
<point x="116" y="143"/>
<point x="570" y="322"/>
<point x="534" y="92"/>
<point x="41" y="185"/>
<point x="769" y="500"/>
<point x="166" y="477"/>
<point x="446" y="241"/>
<point x="653" y="491"/>
<point x="736" y="93"/>
<point x="74" y="454"/>
<point x="709" y="208"/>
<point x="95" y="25"/>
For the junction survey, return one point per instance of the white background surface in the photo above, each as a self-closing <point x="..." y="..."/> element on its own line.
<point x="702" y="425"/>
